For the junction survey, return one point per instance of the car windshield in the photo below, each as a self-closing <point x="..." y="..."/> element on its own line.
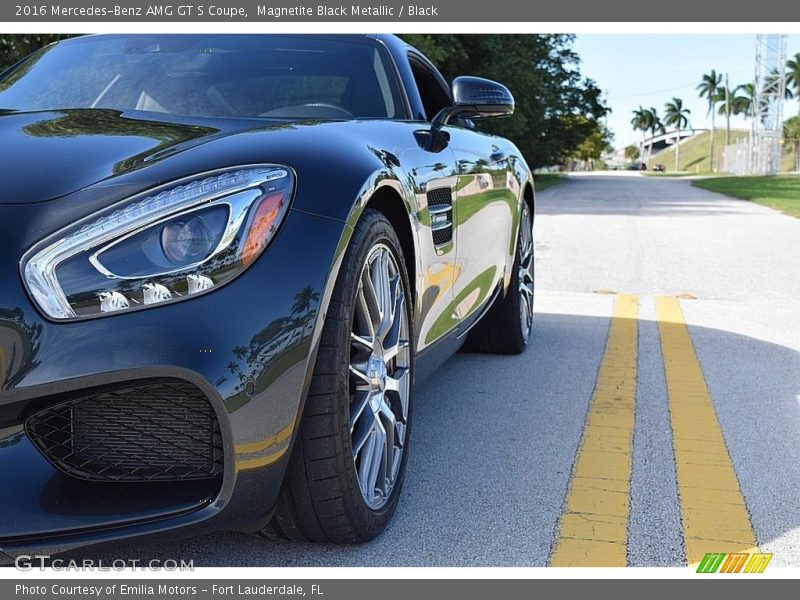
<point x="224" y="76"/>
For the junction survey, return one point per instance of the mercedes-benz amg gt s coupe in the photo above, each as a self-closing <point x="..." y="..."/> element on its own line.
<point x="225" y="261"/>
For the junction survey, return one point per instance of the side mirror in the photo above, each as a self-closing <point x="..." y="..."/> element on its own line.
<point x="476" y="98"/>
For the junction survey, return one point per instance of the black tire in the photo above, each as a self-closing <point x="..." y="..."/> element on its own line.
<point x="321" y="500"/>
<point x="501" y="330"/>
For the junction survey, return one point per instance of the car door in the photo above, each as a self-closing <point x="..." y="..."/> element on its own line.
<point x="435" y="178"/>
<point x="485" y="209"/>
<point x="484" y="203"/>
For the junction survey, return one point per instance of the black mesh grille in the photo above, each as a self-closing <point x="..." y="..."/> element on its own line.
<point x="158" y="431"/>
<point x="440" y="196"/>
<point x="442" y="236"/>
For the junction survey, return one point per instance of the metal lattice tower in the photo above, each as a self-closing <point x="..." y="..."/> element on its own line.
<point x="767" y="110"/>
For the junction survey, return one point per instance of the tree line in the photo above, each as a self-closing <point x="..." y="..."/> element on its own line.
<point x="722" y="100"/>
<point x="559" y="112"/>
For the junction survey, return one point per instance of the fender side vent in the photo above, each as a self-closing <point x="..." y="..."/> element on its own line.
<point x="440" y="209"/>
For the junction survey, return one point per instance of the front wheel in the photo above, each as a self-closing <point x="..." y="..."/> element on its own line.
<point x="506" y="327"/>
<point x="348" y="463"/>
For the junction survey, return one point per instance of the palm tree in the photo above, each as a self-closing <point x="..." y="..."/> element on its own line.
<point x="726" y="108"/>
<point x="744" y="100"/>
<point x="709" y="89"/>
<point x="641" y="122"/>
<point x="793" y="74"/>
<point x="655" y="125"/>
<point x="771" y="81"/>
<point x="676" y="115"/>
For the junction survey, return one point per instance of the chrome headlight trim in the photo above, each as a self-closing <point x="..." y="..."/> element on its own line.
<point x="127" y="218"/>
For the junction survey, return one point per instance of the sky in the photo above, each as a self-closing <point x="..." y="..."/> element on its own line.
<point x="651" y="69"/>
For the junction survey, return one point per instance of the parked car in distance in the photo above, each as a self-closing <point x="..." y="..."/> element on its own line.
<point x="659" y="168"/>
<point x="226" y="262"/>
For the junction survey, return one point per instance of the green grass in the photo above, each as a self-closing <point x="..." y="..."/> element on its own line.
<point x="542" y="181"/>
<point x="694" y="152"/>
<point x="694" y="155"/>
<point x="780" y="192"/>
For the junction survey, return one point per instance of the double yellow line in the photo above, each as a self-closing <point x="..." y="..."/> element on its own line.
<point x="594" y="524"/>
<point x="593" y="529"/>
<point x="715" y="517"/>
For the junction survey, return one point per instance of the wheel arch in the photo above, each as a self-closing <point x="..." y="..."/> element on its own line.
<point x="529" y="196"/>
<point x="386" y="195"/>
<point x="388" y="202"/>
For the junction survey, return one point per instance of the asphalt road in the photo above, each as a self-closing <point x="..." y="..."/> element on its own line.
<point x="695" y="453"/>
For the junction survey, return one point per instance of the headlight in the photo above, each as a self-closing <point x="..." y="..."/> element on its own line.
<point x="166" y="245"/>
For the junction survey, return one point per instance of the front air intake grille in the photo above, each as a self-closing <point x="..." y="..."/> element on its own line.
<point x="163" y="430"/>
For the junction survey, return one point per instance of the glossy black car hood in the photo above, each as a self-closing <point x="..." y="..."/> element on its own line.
<point x="46" y="155"/>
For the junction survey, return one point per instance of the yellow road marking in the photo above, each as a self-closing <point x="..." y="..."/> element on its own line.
<point x="715" y="517"/>
<point x="593" y="528"/>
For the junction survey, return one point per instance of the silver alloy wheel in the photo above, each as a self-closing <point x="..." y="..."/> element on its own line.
<point x="379" y="376"/>
<point x="525" y="273"/>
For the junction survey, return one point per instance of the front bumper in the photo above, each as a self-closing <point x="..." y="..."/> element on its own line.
<point x="246" y="346"/>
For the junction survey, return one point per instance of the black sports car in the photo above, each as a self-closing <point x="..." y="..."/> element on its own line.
<point x="225" y="261"/>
